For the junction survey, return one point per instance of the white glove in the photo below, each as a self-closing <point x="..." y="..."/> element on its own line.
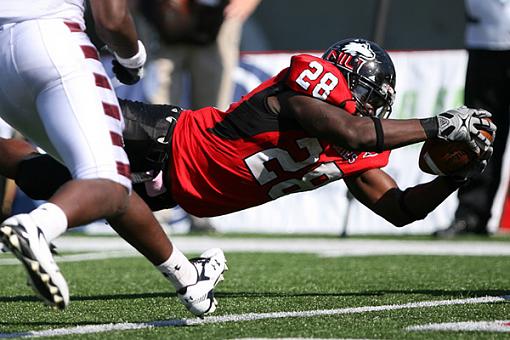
<point x="463" y="125"/>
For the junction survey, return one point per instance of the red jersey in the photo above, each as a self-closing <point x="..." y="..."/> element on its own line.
<point x="224" y="162"/>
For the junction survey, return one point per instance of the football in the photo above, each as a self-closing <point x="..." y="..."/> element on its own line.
<point x="440" y="157"/>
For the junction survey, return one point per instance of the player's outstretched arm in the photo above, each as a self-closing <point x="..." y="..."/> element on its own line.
<point x="379" y="192"/>
<point x="355" y="133"/>
<point x="359" y="133"/>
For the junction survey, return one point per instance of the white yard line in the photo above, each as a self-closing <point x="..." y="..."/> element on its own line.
<point x="80" y="257"/>
<point x="101" y="328"/>
<point x="484" y="326"/>
<point x="326" y="247"/>
<point x="100" y="248"/>
<point x="300" y="339"/>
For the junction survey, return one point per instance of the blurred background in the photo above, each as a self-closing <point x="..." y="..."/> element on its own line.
<point x="296" y="25"/>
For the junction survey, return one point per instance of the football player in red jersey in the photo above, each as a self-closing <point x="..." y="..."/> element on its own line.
<point x="319" y="120"/>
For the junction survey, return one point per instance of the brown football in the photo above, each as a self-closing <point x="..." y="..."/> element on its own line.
<point x="439" y="157"/>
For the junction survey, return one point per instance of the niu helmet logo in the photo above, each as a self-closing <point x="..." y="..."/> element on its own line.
<point x="353" y="55"/>
<point x="358" y="49"/>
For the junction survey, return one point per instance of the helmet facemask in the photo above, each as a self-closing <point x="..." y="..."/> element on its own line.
<point x="369" y="72"/>
<point x="371" y="100"/>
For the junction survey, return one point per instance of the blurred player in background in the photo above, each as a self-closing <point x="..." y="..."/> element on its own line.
<point x="487" y="84"/>
<point x="199" y="39"/>
<point x="319" y="120"/>
<point x="55" y="91"/>
<point x="196" y="52"/>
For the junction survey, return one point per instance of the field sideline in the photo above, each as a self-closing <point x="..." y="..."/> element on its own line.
<point x="277" y="288"/>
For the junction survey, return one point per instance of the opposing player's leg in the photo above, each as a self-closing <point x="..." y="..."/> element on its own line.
<point x="22" y="236"/>
<point x="77" y="121"/>
<point x="40" y="176"/>
<point x="199" y="297"/>
<point x="193" y="280"/>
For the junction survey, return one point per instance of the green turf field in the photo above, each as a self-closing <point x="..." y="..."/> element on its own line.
<point x="129" y="290"/>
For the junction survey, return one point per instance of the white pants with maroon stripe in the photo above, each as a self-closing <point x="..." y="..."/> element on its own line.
<point x="54" y="90"/>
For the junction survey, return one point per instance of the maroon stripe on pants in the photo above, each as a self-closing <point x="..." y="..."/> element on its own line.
<point x="102" y="81"/>
<point x="73" y="27"/>
<point x="90" y="52"/>
<point x="111" y="110"/>
<point x="116" y="139"/>
<point x="123" y="169"/>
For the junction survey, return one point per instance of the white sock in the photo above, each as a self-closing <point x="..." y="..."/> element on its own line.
<point x="178" y="270"/>
<point x="51" y="219"/>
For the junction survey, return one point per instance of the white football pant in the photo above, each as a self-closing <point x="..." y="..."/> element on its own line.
<point x="55" y="91"/>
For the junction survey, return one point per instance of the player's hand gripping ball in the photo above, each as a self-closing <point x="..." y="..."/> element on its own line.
<point x="442" y="157"/>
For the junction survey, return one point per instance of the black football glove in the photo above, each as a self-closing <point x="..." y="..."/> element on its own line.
<point x="129" y="70"/>
<point x="463" y="125"/>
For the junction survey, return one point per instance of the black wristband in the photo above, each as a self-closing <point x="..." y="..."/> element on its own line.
<point x="430" y="126"/>
<point x="379" y="146"/>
